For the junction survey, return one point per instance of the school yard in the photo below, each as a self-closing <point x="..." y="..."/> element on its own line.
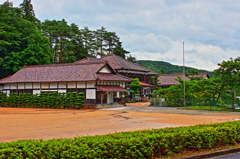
<point x="27" y="123"/>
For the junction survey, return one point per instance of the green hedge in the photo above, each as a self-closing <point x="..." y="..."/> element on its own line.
<point x="138" y="144"/>
<point x="43" y="100"/>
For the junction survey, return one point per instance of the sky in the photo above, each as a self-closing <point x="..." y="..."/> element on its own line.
<point x="156" y="29"/>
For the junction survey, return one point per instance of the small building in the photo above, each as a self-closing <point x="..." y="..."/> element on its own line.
<point x="100" y="83"/>
<point x="167" y="80"/>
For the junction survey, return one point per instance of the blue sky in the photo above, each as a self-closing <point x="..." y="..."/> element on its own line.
<point x="156" y="29"/>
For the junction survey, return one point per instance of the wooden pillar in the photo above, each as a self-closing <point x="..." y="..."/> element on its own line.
<point x="101" y="98"/>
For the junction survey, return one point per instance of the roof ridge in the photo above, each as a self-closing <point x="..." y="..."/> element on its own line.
<point x="135" y="64"/>
<point x="117" y="60"/>
<point x="66" y="64"/>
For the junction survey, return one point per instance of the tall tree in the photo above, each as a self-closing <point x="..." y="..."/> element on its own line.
<point x="100" y="36"/>
<point x="60" y="35"/>
<point x="27" y="11"/>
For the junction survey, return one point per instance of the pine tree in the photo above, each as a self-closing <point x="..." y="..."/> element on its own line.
<point x="27" y="11"/>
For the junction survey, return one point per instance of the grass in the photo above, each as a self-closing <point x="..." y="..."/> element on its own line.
<point x="213" y="108"/>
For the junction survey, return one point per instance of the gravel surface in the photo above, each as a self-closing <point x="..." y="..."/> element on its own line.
<point x="27" y="123"/>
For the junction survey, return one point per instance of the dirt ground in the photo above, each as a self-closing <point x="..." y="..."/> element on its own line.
<point x="26" y="123"/>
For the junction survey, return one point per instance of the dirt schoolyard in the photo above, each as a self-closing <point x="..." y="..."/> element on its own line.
<point x="26" y="123"/>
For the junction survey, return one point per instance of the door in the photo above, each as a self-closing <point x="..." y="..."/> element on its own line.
<point x="109" y="97"/>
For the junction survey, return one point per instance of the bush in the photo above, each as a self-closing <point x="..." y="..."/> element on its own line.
<point x="138" y="144"/>
<point x="43" y="100"/>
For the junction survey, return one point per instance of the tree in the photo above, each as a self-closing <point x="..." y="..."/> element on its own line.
<point x="27" y="11"/>
<point x="120" y="51"/>
<point x="24" y="43"/>
<point x="229" y="73"/>
<point x="135" y="86"/>
<point x="132" y="59"/>
<point x="61" y="37"/>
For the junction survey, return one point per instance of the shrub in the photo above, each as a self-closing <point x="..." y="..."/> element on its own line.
<point x="138" y="144"/>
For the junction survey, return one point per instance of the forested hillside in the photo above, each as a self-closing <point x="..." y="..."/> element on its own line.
<point x="166" y="68"/>
<point x="25" y="40"/>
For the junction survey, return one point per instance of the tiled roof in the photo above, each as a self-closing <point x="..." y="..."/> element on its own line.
<point x="117" y="62"/>
<point x="120" y="63"/>
<point x="112" y="77"/>
<point x="90" y="59"/>
<point x="145" y="84"/>
<point x="111" y="88"/>
<point x="57" y="72"/>
<point x="169" y="79"/>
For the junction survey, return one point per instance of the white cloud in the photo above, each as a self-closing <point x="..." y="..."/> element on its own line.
<point x="155" y="29"/>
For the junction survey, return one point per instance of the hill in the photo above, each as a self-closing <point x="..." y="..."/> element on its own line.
<point x="159" y="66"/>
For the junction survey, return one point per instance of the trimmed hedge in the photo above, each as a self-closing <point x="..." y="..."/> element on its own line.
<point x="138" y="144"/>
<point x="43" y="100"/>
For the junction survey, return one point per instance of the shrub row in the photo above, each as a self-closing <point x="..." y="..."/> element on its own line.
<point x="43" y="100"/>
<point x="138" y="144"/>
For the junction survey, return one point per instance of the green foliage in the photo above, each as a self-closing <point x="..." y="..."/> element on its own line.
<point x="27" y="11"/>
<point x="24" y="43"/>
<point x="167" y="68"/>
<point x="70" y="43"/>
<point x="197" y="88"/>
<point x="153" y="143"/>
<point x="135" y="86"/>
<point x="229" y="74"/>
<point x="43" y="100"/>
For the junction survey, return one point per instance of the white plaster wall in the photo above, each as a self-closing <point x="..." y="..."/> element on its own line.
<point x="124" y="84"/>
<point x="81" y="85"/>
<point x="53" y="85"/>
<point x="90" y="93"/>
<point x="14" y="86"/>
<point x="28" y="85"/>
<point x="105" y="70"/>
<point x="36" y="91"/>
<point x="62" y="91"/>
<point x="53" y="90"/>
<point x="45" y="85"/>
<point x="20" y="85"/>
<point x="62" y="84"/>
<point x="6" y="86"/>
<point x="36" y="85"/>
<point x="7" y="92"/>
<point x="71" y="85"/>
<point x="90" y="84"/>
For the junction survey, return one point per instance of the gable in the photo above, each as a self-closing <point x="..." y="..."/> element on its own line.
<point x="105" y="69"/>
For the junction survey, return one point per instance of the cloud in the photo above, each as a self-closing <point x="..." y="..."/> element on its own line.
<point x="156" y="29"/>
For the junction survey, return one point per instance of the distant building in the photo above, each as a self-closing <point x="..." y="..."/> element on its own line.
<point x="167" y="80"/>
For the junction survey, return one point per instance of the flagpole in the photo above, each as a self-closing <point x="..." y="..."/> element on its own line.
<point x="184" y="87"/>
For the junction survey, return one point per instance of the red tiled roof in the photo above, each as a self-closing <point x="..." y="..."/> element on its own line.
<point x="169" y="79"/>
<point x="121" y="63"/>
<point x="117" y="62"/>
<point x="90" y="59"/>
<point x="145" y="84"/>
<point x="112" y="77"/>
<point x="111" y="88"/>
<point x="57" y="72"/>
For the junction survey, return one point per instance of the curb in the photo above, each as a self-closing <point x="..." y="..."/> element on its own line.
<point x="213" y="154"/>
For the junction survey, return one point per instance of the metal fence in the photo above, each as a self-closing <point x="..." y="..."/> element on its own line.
<point x="178" y="102"/>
